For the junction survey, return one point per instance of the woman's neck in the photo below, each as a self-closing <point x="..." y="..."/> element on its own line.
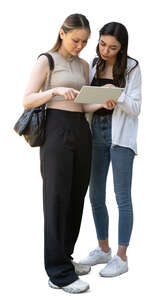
<point x="64" y="53"/>
<point x="112" y="61"/>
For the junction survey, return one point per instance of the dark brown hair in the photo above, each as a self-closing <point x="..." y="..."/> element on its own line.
<point x="120" y="68"/>
<point x="74" y="21"/>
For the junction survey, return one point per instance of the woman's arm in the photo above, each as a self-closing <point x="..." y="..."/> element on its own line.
<point x="91" y="107"/>
<point x="130" y="99"/>
<point x="110" y="104"/>
<point x="33" y="97"/>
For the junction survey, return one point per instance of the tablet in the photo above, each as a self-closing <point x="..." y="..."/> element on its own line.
<point x="97" y="95"/>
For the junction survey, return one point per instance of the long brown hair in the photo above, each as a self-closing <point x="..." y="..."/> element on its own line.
<point x="74" y="21"/>
<point x="120" y="68"/>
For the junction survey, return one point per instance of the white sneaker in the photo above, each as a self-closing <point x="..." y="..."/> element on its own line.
<point x="116" y="266"/>
<point x="81" y="269"/>
<point x="97" y="256"/>
<point x="75" y="287"/>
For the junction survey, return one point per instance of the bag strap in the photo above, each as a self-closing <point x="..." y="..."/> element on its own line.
<point x="50" y="60"/>
<point x="51" y="65"/>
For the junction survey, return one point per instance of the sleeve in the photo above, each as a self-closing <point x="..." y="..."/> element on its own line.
<point x="130" y="99"/>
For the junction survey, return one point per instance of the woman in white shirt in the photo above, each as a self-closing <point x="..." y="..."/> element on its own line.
<point x="114" y="139"/>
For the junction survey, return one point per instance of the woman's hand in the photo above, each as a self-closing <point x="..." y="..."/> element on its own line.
<point x="108" y="85"/>
<point x="68" y="93"/>
<point x="110" y="104"/>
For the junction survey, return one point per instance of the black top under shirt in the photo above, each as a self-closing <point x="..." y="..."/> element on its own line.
<point x="101" y="82"/>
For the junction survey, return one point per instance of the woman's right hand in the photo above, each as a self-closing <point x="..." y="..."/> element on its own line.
<point x="68" y="93"/>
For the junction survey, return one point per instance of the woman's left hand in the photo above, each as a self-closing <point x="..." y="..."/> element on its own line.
<point x="110" y="104"/>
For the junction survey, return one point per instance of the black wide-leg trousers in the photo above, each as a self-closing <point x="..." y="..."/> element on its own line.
<point x="65" y="167"/>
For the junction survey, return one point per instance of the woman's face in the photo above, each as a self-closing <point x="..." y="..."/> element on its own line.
<point x="74" y="41"/>
<point x="108" y="47"/>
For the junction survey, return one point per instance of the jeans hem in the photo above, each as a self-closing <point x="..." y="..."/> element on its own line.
<point x="102" y="239"/>
<point x="123" y="244"/>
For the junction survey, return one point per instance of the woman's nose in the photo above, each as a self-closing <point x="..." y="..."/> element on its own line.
<point x="80" y="46"/>
<point x="105" y="51"/>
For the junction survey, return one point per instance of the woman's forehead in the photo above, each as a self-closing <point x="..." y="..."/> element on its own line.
<point x="110" y="40"/>
<point x="79" y="33"/>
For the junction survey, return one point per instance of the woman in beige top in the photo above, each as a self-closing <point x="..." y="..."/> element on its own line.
<point x="66" y="154"/>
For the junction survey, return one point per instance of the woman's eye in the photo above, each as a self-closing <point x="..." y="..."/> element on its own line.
<point x="75" y="41"/>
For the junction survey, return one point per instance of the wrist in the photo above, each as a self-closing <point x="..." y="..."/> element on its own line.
<point x="53" y="92"/>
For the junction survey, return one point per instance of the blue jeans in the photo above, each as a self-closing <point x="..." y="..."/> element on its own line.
<point x="122" y="163"/>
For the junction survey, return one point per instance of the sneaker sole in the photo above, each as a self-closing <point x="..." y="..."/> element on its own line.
<point x="77" y="291"/>
<point x="102" y="275"/>
<point x="53" y="286"/>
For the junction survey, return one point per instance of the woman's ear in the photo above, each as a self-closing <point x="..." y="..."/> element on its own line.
<point x="61" y="33"/>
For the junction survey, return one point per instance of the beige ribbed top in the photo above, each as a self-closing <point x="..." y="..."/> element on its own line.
<point x="67" y="73"/>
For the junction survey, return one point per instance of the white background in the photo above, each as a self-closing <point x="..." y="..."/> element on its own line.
<point x="27" y="29"/>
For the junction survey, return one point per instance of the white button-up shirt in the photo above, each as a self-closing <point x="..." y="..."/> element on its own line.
<point x="125" y="114"/>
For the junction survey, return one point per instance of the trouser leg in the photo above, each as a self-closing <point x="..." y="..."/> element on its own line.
<point x="80" y="181"/>
<point x="122" y="164"/>
<point x="57" y="168"/>
<point x="97" y="189"/>
<point x="101" y="130"/>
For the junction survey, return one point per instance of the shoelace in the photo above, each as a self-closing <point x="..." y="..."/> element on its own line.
<point x="114" y="262"/>
<point x="94" y="252"/>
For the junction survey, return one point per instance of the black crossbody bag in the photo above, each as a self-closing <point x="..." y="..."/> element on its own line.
<point x="31" y="123"/>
